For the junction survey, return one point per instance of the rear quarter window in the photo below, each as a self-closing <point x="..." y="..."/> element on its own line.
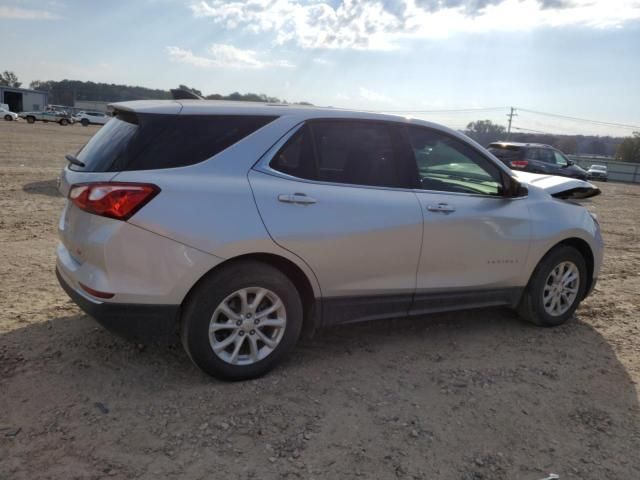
<point x="506" y="152"/>
<point x="156" y="141"/>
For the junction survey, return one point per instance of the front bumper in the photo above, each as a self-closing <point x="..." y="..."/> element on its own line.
<point x="145" y="323"/>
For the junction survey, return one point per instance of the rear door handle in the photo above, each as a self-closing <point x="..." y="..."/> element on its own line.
<point x="442" y="208"/>
<point x="297" y="198"/>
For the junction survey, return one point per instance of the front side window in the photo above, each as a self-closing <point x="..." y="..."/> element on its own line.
<point x="449" y="165"/>
<point x="560" y="159"/>
<point x="351" y="152"/>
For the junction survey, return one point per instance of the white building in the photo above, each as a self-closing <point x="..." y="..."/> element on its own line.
<point x="23" y="100"/>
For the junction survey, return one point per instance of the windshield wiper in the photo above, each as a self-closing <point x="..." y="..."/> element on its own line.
<point x="74" y="161"/>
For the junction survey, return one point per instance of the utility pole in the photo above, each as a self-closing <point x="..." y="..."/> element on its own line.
<point x="511" y="114"/>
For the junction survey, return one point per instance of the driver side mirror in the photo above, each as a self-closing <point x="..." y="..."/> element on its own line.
<point x="515" y="189"/>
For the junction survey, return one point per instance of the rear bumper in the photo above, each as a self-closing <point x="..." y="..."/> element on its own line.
<point x="145" y="323"/>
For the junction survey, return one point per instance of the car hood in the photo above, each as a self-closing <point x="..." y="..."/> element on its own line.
<point x="559" y="187"/>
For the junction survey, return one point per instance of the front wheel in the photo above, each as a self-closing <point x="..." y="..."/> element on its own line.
<point x="64" y="122"/>
<point x="84" y="122"/>
<point x="240" y="322"/>
<point x="8" y="118"/>
<point x="31" y="119"/>
<point x="556" y="288"/>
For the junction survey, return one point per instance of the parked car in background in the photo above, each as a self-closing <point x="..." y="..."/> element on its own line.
<point x="8" y="115"/>
<point x="91" y="118"/>
<point x="536" y="158"/>
<point x="240" y="225"/>
<point x="598" y="172"/>
<point x="63" y="118"/>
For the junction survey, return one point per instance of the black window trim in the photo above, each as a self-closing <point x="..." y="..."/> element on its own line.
<point x="263" y="163"/>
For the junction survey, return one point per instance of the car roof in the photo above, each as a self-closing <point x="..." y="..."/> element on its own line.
<point x="519" y="144"/>
<point x="229" y="107"/>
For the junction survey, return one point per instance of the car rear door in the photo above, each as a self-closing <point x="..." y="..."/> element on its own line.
<point x="476" y="240"/>
<point x="335" y="193"/>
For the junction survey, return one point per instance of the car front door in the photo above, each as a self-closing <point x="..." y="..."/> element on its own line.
<point x="476" y="240"/>
<point x="335" y="193"/>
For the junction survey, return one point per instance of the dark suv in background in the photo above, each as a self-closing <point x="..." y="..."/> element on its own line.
<point x="536" y="158"/>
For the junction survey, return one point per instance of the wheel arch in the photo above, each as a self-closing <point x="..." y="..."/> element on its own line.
<point x="310" y="303"/>
<point x="585" y="250"/>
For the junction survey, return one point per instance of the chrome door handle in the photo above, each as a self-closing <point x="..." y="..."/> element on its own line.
<point x="297" y="198"/>
<point x="441" y="207"/>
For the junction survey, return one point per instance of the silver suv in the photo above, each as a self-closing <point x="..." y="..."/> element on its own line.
<point x="240" y="226"/>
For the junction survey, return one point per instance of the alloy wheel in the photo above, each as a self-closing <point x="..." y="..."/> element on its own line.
<point x="247" y="326"/>
<point x="561" y="288"/>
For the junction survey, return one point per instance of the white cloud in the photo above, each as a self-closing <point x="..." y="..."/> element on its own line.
<point x="16" y="13"/>
<point x="377" y="25"/>
<point x="224" y="56"/>
<point x="374" y="96"/>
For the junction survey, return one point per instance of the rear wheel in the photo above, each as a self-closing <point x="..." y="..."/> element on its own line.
<point x="8" y="118"/>
<point x="242" y="321"/>
<point x="31" y="119"/>
<point x="556" y="288"/>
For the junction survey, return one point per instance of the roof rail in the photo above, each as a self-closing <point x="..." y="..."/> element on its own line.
<point x="182" y="94"/>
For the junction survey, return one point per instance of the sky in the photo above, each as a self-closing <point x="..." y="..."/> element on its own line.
<point x="577" y="58"/>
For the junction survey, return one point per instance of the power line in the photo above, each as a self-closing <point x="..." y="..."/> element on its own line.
<point x="533" y="131"/>
<point x="595" y="122"/>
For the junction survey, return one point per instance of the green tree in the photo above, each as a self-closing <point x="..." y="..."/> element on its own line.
<point x="9" y="79"/>
<point x="629" y="149"/>
<point x="485" y="131"/>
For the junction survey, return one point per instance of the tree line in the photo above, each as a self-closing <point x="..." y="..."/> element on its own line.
<point x="67" y="92"/>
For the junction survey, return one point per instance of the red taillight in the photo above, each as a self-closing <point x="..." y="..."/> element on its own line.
<point x="519" y="163"/>
<point x="117" y="200"/>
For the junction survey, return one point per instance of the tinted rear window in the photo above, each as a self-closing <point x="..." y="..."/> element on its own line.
<point x="505" y="152"/>
<point x="153" y="141"/>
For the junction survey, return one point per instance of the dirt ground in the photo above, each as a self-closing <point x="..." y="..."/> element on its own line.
<point x="469" y="396"/>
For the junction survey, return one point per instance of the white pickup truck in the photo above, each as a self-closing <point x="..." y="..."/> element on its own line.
<point x="62" y="118"/>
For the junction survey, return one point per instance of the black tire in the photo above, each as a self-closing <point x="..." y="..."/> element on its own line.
<point x="531" y="306"/>
<point x="8" y="118"/>
<point x="208" y="295"/>
<point x="84" y="122"/>
<point x="64" y="122"/>
<point x="31" y="119"/>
